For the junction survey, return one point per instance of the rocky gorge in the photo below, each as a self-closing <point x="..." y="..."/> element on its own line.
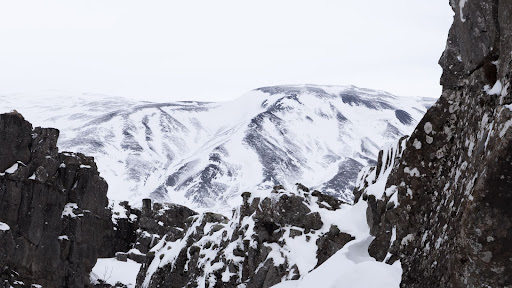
<point x="56" y="222"/>
<point x="437" y="201"/>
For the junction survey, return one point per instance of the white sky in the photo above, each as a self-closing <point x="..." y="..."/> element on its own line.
<point x="217" y="50"/>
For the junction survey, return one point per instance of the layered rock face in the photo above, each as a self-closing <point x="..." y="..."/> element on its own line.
<point x="267" y="240"/>
<point x="450" y="221"/>
<point x="53" y="219"/>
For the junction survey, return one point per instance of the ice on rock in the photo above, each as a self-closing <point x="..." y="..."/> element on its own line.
<point x="69" y="211"/>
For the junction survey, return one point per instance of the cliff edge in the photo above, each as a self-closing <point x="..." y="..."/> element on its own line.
<point x="445" y="212"/>
<point x="54" y="217"/>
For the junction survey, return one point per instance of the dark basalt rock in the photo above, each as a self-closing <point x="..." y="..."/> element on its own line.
<point x="327" y="201"/>
<point x="158" y="221"/>
<point x="356" y="100"/>
<point x="454" y="223"/>
<point x="330" y="243"/>
<point x="55" y="207"/>
<point x="404" y="117"/>
<point x="15" y="140"/>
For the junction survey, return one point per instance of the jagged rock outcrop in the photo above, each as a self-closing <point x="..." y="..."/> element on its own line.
<point x="371" y="187"/>
<point x="125" y="220"/>
<point x="53" y="219"/>
<point x="258" y="247"/>
<point x="451" y="219"/>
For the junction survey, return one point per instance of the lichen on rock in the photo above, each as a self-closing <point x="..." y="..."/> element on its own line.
<point x="454" y="223"/>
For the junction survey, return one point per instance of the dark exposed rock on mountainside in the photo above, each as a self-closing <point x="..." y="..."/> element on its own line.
<point x="53" y="216"/>
<point x="446" y="211"/>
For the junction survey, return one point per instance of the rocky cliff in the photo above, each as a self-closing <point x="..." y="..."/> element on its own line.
<point x="445" y="210"/>
<point x="53" y="220"/>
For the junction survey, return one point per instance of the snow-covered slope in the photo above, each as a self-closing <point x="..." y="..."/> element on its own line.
<point x="206" y="154"/>
<point x="348" y="264"/>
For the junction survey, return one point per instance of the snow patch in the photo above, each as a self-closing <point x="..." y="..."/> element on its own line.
<point x="413" y="172"/>
<point x="394" y="199"/>
<point x="339" y="271"/>
<point x="12" y="169"/>
<point x="407" y="239"/>
<point x="462" y="3"/>
<point x="69" y="211"/>
<point x="495" y="90"/>
<point x="471" y="148"/>
<point x="118" y="211"/>
<point x="505" y="128"/>
<point x="4" y="227"/>
<point x="113" y="271"/>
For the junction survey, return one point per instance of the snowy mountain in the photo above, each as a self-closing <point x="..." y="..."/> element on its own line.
<point x="205" y="154"/>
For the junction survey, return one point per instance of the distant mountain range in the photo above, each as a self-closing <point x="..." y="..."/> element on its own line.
<point x="205" y="154"/>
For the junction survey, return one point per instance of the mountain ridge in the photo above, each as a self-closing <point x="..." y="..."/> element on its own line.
<point x="179" y="150"/>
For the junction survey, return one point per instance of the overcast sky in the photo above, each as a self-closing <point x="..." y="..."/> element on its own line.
<point x="217" y="50"/>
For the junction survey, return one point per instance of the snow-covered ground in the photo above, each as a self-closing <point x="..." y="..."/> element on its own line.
<point x="112" y="271"/>
<point x="352" y="266"/>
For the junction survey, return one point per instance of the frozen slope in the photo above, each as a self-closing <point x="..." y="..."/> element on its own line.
<point x="351" y="266"/>
<point x="207" y="154"/>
